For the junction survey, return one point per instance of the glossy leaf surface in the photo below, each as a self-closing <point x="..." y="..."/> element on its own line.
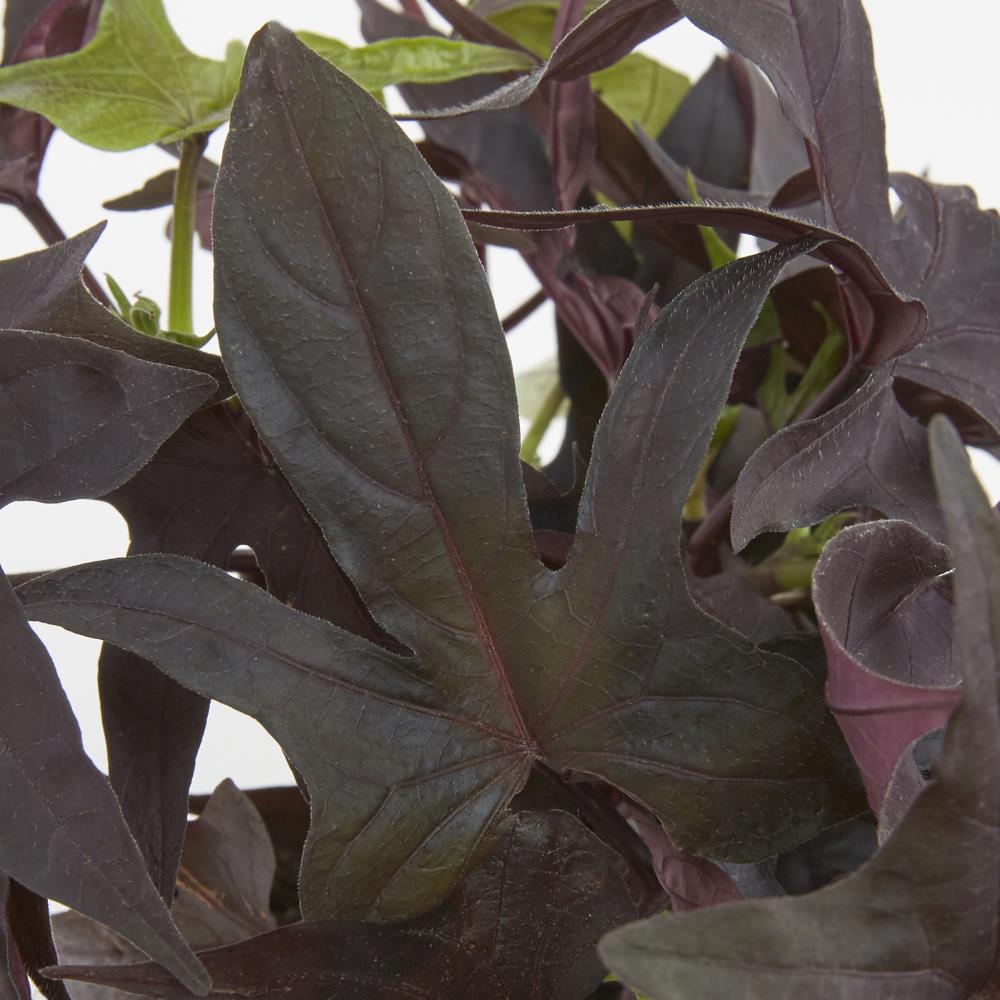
<point x="917" y="921"/>
<point x="411" y="760"/>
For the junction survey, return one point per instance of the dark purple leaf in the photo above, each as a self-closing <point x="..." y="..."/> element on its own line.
<point x="503" y="149"/>
<point x="522" y="925"/>
<point x="67" y="839"/>
<point x="946" y="251"/>
<point x="43" y="291"/>
<point x="34" y="30"/>
<point x="80" y="419"/>
<point x="868" y="451"/>
<point x="31" y="934"/>
<point x="819" y="58"/>
<point x="885" y="613"/>
<point x="920" y="919"/>
<point x="19" y="921"/>
<point x="404" y="451"/>
<point x="948" y="255"/>
<point x="18" y="16"/>
<point x="211" y="488"/>
<point x="223" y="891"/>
<point x="690" y="882"/>
<point x="224" y="883"/>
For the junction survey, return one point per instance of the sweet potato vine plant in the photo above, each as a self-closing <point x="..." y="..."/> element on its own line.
<point x="662" y="718"/>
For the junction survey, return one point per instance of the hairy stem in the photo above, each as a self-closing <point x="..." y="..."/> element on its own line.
<point x="180" y="316"/>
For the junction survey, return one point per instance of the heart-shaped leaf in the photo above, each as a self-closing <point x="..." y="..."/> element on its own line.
<point x="403" y="448"/>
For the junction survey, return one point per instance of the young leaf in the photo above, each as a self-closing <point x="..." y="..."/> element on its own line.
<point x="415" y="60"/>
<point x="134" y="84"/>
<point x="866" y="451"/>
<point x="405" y="453"/>
<point x="69" y="841"/>
<point x="43" y="291"/>
<point x="524" y="924"/>
<point x="885" y="613"/>
<point x="920" y="919"/>
<point x="81" y="419"/>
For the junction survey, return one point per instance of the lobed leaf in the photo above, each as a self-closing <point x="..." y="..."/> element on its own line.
<point x="404" y="451"/>
<point x="132" y="85"/>
<point x="920" y="919"/>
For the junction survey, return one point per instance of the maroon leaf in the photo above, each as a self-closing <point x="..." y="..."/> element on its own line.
<point x="35" y="30"/>
<point x="884" y="608"/>
<point x="918" y="920"/>
<point x="31" y="937"/>
<point x="868" y="451"/>
<point x="522" y="925"/>
<point x="405" y="453"/>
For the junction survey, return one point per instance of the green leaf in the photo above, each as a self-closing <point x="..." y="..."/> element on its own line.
<point x="415" y="60"/>
<point x="638" y="89"/>
<point x="918" y="921"/>
<point x="134" y="84"/>
<point x="641" y="91"/>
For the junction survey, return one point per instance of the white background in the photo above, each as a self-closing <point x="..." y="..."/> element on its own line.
<point x="937" y="70"/>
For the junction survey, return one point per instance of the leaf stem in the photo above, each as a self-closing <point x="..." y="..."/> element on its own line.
<point x="543" y="418"/>
<point x="524" y="310"/>
<point x="180" y="315"/>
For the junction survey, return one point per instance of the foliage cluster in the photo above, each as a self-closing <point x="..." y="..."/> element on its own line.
<point x="710" y="700"/>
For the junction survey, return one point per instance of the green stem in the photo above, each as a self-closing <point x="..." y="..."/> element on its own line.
<point x="180" y="316"/>
<point x="543" y="418"/>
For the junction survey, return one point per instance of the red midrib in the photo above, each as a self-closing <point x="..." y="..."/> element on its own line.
<point x="454" y="555"/>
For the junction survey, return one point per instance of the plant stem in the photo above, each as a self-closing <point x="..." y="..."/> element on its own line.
<point x="46" y="226"/>
<point x="180" y="316"/>
<point x="524" y="310"/>
<point x="544" y="417"/>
